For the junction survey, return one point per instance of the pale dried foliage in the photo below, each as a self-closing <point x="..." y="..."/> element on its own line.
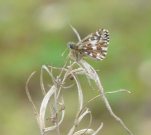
<point x="53" y="99"/>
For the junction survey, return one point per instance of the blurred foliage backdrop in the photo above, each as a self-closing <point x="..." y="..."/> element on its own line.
<point x="34" y="32"/>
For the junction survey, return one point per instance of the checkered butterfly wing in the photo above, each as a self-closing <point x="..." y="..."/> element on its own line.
<point x="95" y="45"/>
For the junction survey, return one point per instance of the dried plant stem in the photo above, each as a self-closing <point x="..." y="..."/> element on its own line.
<point x="73" y="68"/>
<point x="113" y="114"/>
<point x="101" y="90"/>
<point x="92" y="73"/>
<point x="31" y="101"/>
<point x="110" y="92"/>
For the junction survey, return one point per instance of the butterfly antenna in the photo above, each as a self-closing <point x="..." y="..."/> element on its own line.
<point x="64" y="52"/>
<point x="76" y="32"/>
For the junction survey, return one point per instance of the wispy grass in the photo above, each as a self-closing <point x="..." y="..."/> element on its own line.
<point x="53" y="99"/>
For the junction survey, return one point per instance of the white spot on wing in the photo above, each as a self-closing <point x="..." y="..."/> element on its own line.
<point x="105" y="53"/>
<point x="86" y="52"/>
<point x="104" y="48"/>
<point x="94" y="47"/>
<point x="93" y="42"/>
<point x="98" y="58"/>
<point x="102" y="57"/>
<point x="98" y="54"/>
<point x="91" y="54"/>
<point x="97" y="33"/>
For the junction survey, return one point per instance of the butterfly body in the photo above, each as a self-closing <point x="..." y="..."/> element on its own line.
<point x="95" y="45"/>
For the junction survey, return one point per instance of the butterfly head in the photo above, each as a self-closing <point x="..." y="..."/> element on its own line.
<point x="71" y="45"/>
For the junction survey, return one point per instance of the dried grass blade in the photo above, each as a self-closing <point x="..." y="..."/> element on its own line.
<point x="41" y="81"/>
<point x="84" y="132"/>
<point x="91" y="72"/>
<point x="54" y="127"/>
<point x="30" y="98"/>
<point x="80" y="93"/>
<point x="83" y="115"/>
<point x="43" y="106"/>
<point x="99" y="128"/>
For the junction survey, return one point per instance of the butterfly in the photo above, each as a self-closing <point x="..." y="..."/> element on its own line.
<point x="95" y="45"/>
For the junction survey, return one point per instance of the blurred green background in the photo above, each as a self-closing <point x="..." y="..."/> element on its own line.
<point x="34" y="33"/>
